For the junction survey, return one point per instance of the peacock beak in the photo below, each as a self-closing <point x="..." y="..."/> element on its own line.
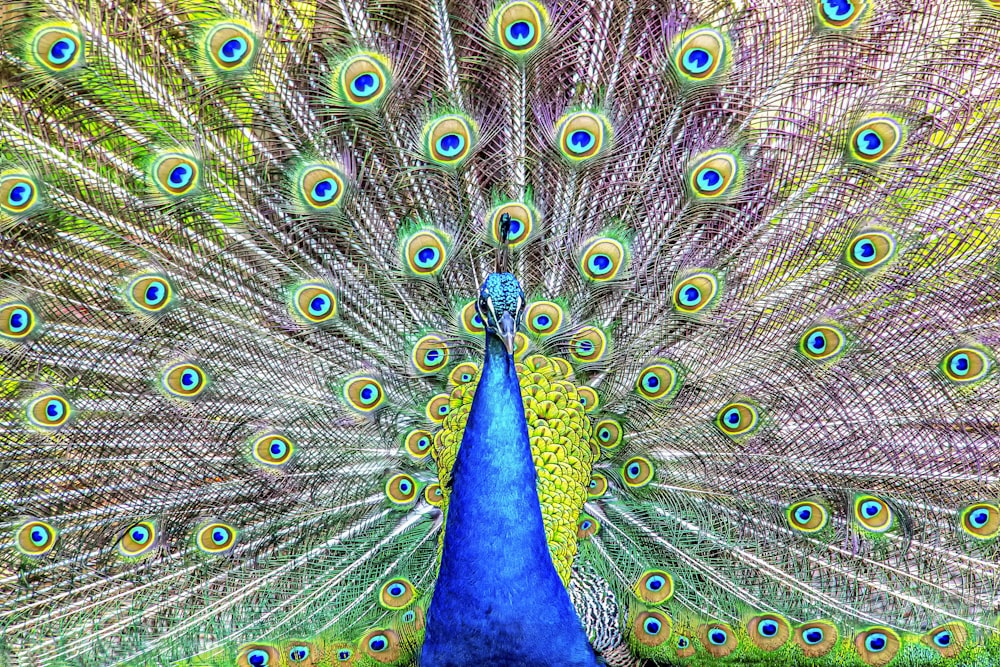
<point x="507" y="329"/>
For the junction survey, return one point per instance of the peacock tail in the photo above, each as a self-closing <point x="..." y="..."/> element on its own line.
<point x="242" y="244"/>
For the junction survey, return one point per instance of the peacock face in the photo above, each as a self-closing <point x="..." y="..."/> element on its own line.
<point x="501" y="306"/>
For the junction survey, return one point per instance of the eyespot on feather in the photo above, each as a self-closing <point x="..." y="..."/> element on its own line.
<point x="872" y="513"/>
<point x="947" y="640"/>
<point x="877" y="646"/>
<point x="17" y="320"/>
<point x="700" y="54"/>
<point x="683" y="647"/>
<point x="651" y="628"/>
<point x="519" y="27"/>
<point x="258" y="655"/>
<point x="875" y="139"/>
<point x="57" y="47"/>
<point x="364" y="393"/>
<point x="588" y="345"/>
<point x="822" y="343"/>
<point x="609" y="433"/>
<point x="321" y="186"/>
<point x="586" y="527"/>
<point x="429" y="355"/>
<point x="364" y="79"/>
<point x="438" y="408"/>
<point x="472" y="322"/>
<point x="522" y="223"/>
<point x="314" y="303"/>
<point x="543" y="318"/>
<point x="582" y="135"/>
<point x="602" y="259"/>
<point x="18" y="194"/>
<point x="981" y="520"/>
<point x="654" y="587"/>
<point x="401" y="489"/>
<point x="35" y="538"/>
<point x="216" y="538"/>
<point x="272" y="450"/>
<point x="302" y="653"/>
<point x="138" y="541"/>
<point x="768" y="632"/>
<point x="713" y="175"/>
<point x="637" y="472"/>
<point x="229" y="46"/>
<point x="175" y="174"/>
<point x="870" y="250"/>
<point x="597" y="486"/>
<point x="418" y="443"/>
<point x="424" y="253"/>
<point x="696" y="292"/>
<point x="807" y="516"/>
<point x="449" y="139"/>
<point x="816" y="638"/>
<point x="718" y="639"/>
<point x="381" y="646"/>
<point x="965" y="365"/>
<point x="463" y="373"/>
<point x="738" y="419"/>
<point x="840" y="14"/>
<point x="397" y="594"/>
<point x="49" y="412"/>
<point x="434" y="495"/>
<point x="589" y="398"/>
<point x="657" y="383"/>
<point x="184" y="380"/>
<point x="149" y="293"/>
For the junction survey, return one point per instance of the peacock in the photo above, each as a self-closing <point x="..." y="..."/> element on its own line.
<point x="551" y="333"/>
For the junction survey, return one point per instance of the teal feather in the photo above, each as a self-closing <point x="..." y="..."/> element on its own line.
<point x="757" y="251"/>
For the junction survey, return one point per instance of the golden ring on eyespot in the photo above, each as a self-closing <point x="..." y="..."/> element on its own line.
<point x="713" y="176"/>
<point x="18" y="193"/>
<point x="875" y="139"/>
<point x="822" y="342"/>
<point x="696" y="292"/>
<point x="315" y="303"/>
<point x="418" y="443"/>
<point x="869" y="250"/>
<point x="258" y="655"/>
<point x="700" y="54"/>
<point x="543" y="318"/>
<point x="448" y="140"/>
<point x="430" y="354"/>
<point x="273" y="450"/>
<point x="718" y="639"/>
<point x="150" y="293"/>
<point x="434" y="495"/>
<point x="588" y="345"/>
<point x="397" y="593"/>
<point x="608" y="433"/>
<point x="381" y="645"/>
<point x="816" y="638"/>
<point x="216" y="538"/>
<point x="589" y="398"/>
<point x="873" y="513"/>
<point x="651" y="628"/>
<point x="656" y="382"/>
<point x="981" y="520"/>
<point x="948" y="639"/>
<point x="138" y="540"/>
<point x="35" y="538"/>
<point x="519" y="27"/>
<point x="175" y="174"/>
<point x="737" y="419"/>
<point x="965" y="365"/>
<point x="17" y="320"/>
<point x="768" y="632"/>
<point x="184" y="380"/>
<point x="807" y="516"/>
<point x="582" y="135"/>
<point x="830" y="16"/>
<point x="586" y="527"/>
<point x="463" y="373"/>
<point x="364" y="393"/>
<point x="321" y="186"/>
<point x="364" y="79"/>
<point x="471" y="321"/>
<point x="597" y="487"/>
<point x="877" y="646"/>
<point x="522" y="223"/>
<point x="230" y="46"/>
<point x="425" y="253"/>
<point x="57" y="48"/>
<point x="637" y="472"/>
<point x="49" y="411"/>
<point x="654" y="587"/>
<point x="401" y="489"/>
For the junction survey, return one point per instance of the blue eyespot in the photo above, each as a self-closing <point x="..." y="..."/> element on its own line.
<point x="697" y="60"/>
<point x="378" y="643"/>
<point x="651" y="626"/>
<point x="54" y="410"/>
<point x="959" y="364"/>
<point x="633" y="470"/>
<point x="320" y="305"/>
<point x="690" y="296"/>
<point x="812" y="636"/>
<point x="450" y="145"/>
<point x="655" y="583"/>
<point x="817" y="343"/>
<point x="836" y="10"/>
<point x="156" y="292"/>
<point x="876" y="642"/>
<point x="600" y="264"/>
<point x="864" y="251"/>
<point x="943" y="639"/>
<point x="520" y="33"/>
<point x="19" y="320"/>
<point x="869" y="143"/>
<point x="581" y="141"/>
<point x="368" y="393"/>
<point x="39" y="537"/>
<point x="428" y="257"/>
<point x="683" y="642"/>
<point x="298" y="653"/>
<point x="61" y="51"/>
<point x="325" y="190"/>
<point x="258" y="658"/>
<point x="181" y="175"/>
<point x="870" y="508"/>
<point x="979" y="518"/>
<point x="803" y="514"/>
<point x="768" y="628"/>
<point x="140" y="534"/>
<point x="278" y="448"/>
<point x="732" y="418"/>
<point x="709" y="180"/>
<point x="344" y="654"/>
<point x="586" y="524"/>
<point x="20" y="194"/>
<point x="718" y="637"/>
<point x="365" y="85"/>
<point x="233" y="50"/>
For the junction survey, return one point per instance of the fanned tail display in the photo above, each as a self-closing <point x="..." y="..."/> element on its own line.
<point x="735" y="265"/>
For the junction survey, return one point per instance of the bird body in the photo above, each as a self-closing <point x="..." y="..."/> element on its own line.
<point x="523" y="333"/>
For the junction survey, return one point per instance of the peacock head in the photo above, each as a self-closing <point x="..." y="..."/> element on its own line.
<point x="501" y="307"/>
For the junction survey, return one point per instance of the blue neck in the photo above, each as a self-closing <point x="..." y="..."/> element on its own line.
<point x="498" y="599"/>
